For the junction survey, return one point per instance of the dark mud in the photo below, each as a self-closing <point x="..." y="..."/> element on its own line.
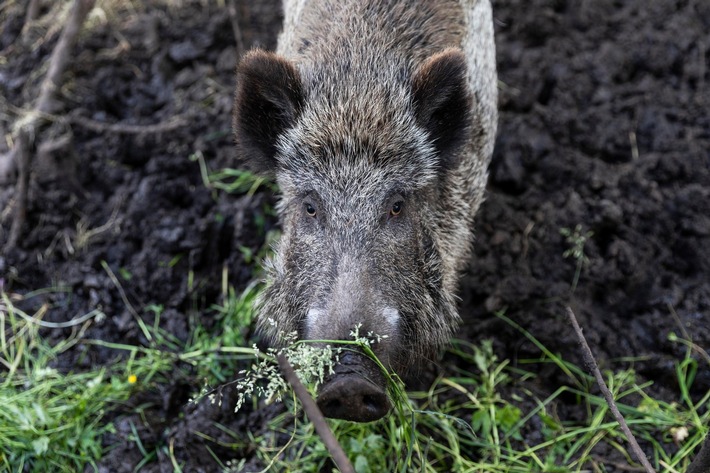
<point x="604" y="124"/>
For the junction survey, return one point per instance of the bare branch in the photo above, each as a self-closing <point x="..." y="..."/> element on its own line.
<point x="62" y="53"/>
<point x="234" y="17"/>
<point x="127" y="129"/>
<point x="21" y="151"/>
<point x="316" y="416"/>
<point x="32" y="11"/>
<point x="592" y="366"/>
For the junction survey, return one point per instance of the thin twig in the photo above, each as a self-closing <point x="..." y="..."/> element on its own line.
<point x="62" y="53"/>
<point x="696" y="348"/>
<point x="316" y="416"/>
<point x="32" y="12"/>
<point x="592" y="366"/>
<point x="121" y="292"/>
<point x="234" y="17"/>
<point x="127" y="129"/>
<point x="22" y="147"/>
<point x="96" y="313"/>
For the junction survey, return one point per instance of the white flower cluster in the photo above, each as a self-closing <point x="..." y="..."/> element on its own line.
<point x="366" y="340"/>
<point x="312" y="363"/>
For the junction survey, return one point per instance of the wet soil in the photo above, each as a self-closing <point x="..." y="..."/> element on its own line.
<point x="604" y="124"/>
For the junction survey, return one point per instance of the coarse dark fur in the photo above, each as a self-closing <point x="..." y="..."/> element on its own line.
<point x="377" y="119"/>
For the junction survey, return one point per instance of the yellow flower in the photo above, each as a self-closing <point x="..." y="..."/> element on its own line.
<point x="132" y="379"/>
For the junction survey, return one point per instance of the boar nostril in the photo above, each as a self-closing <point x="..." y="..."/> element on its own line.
<point x="353" y="398"/>
<point x="331" y="405"/>
<point x="372" y="403"/>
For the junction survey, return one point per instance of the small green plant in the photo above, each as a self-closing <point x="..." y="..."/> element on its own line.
<point x="215" y="353"/>
<point x="492" y="415"/>
<point x="576" y="239"/>
<point x="232" y="181"/>
<point x="125" y="274"/>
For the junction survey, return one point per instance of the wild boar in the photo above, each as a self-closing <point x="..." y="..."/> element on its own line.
<point x="377" y="118"/>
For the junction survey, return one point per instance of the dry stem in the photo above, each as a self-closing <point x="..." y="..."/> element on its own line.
<point x="127" y="129"/>
<point x="316" y="416"/>
<point x="592" y="366"/>
<point x="22" y="150"/>
<point x="234" y="17"/>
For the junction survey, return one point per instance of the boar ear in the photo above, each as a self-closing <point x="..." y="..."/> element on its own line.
<point x="442" y="101"/>
<point x="267" y="101"/>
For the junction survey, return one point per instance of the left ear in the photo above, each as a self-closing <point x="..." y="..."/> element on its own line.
<point x="268" y="100"/>
<point x="442" y="101"/>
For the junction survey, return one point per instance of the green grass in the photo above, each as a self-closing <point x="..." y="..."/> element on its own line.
<point x="465" y="423"/>
<point x="477" y="419"/>
<point x="52" y="421"/>
<point x="231" y="181"/>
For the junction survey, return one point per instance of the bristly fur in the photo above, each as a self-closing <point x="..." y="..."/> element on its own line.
<point x="377" y="118"/>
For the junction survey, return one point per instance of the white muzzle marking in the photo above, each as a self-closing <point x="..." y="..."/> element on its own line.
<point x="314" y="318"/>
<point x="391" y="315"/>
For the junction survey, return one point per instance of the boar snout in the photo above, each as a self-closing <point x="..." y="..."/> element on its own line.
<point x="355" y="391"/>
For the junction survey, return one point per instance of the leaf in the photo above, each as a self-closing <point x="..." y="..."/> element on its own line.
<point x="481" y="422"/>
<point x="508" y="416"/>
<point x="40" y="445"/>
<point x="355" y="445"/>
<point x="361" y="464"/>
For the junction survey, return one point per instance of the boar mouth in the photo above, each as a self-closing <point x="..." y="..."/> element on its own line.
<point x="355" y="391"/>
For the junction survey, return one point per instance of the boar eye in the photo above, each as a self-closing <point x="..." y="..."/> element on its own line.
<point x="396" y="208"/>
<point x="310" y="210"/>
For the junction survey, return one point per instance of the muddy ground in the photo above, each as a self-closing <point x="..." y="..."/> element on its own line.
<point x="604" y="123"/>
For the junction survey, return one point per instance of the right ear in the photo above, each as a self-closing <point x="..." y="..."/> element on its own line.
<point x="268" y="99"/>
<point x="443" y="103"/>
